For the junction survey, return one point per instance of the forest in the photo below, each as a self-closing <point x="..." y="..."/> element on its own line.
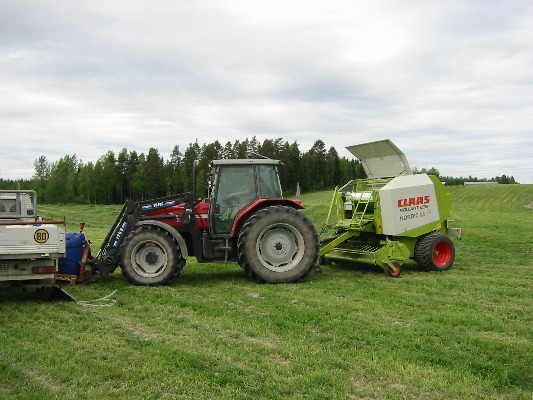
<point x="114" y="178"/>
<point x="128" y="175"/>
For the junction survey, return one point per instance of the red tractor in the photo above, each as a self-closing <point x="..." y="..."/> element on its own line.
<point x="244" y="219"/>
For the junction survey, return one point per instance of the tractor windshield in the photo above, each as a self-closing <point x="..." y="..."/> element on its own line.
<point x="235" y="188"/>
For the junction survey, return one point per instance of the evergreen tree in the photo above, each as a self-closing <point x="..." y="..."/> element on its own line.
<point x="109" y="179"/>
<point x="292" y="169"/>
<point x="132" y="166"/>
<point x="334" y="168"/>
<point x="317" y="164"/>
<point x="153" y="175"/>
<point x="122" y="166"/>
<point x="41" y="176"/>
<point x="139" y="179"/>
<point x="240" y="149"/>
<point x="192" y="153"/>
<point x="268" y="149"/>
<point x="253" y="145"/>
<point x="210" y="152"/>
<point x="306" y="180"/>
<point x="61" y="187"/>
<point x="228" y="151"/>
<point x="87" y="183"/>
<point x="174" y="184"/>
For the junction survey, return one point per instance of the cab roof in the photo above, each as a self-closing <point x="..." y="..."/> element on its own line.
<point x="247" y="161"/>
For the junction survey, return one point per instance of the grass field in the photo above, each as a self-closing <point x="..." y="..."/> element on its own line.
<point x="345" y="333"/>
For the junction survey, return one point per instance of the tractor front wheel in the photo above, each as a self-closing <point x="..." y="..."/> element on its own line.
<point x="277" y="245"/>
<point x="435" y="252"/>
<point x="150" y="257"/>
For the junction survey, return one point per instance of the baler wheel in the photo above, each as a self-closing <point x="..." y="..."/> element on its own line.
<point x="278" y="245"/>
<point x="390" y="272"/>
<point x="435" y="252"/>
<point x="150" y="257"/>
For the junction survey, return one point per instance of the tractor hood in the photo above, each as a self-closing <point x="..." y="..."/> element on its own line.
<point x="381" y="159"/>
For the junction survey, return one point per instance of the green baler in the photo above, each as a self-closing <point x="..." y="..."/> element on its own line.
<point x="391" y="216"/>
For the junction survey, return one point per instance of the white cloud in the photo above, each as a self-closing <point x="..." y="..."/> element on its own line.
<point x="449" y="82"/>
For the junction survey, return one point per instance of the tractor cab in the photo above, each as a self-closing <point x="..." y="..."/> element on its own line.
<point x="18" y="205"/>
<point x="236" y="185"/>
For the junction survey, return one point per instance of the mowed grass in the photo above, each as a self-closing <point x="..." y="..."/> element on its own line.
<point x="345" y="333"/>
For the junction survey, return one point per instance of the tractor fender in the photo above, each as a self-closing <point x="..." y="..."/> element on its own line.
<point x="175" y="234"/>
<point x="258" y="205"/>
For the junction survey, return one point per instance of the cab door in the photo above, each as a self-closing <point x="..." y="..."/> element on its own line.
<point x="235" y="189"/>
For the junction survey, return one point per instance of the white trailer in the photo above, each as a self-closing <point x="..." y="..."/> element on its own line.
<point x="29" y="246"/>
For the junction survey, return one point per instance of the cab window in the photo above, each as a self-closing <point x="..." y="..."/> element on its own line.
<point x="236" y="189"/>
<point x="269" y="182"/>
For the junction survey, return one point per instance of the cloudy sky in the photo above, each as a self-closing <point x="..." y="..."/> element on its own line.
<point x="450" y="82"/>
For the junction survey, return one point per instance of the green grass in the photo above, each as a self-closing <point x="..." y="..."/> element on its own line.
<point x="345" y="333"/>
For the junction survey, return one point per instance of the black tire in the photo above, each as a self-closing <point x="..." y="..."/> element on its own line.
<point x="150" y="257"/>
<point x="435" y="252"/>
<point x="391" y="273"/>
<point x="278" y="245"/>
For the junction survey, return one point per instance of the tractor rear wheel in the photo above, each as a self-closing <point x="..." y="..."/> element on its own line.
<point x="277" y="245"/>
<point x="435" y="252"/>
<point x="150" y="257"/>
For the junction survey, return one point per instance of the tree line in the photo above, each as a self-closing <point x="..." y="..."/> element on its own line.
<point x="128" y="175"/>
<point x="456" y="181"/>
<point x="114" y="178"/>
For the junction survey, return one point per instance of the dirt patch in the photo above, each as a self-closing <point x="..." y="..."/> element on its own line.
<point x="530" y="205"/>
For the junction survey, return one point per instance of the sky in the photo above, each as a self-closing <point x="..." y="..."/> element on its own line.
<point x="449" y="82"/>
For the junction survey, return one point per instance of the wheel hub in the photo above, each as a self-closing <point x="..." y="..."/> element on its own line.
<point x="442" y="254"/>
<point x="152" y="258"/>
<point x="280" y="247"/>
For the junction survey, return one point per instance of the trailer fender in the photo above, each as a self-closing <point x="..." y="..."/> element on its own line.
<point x="175" y="234"/>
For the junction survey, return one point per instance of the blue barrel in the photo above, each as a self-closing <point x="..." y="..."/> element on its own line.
<point x="70" y="264"/>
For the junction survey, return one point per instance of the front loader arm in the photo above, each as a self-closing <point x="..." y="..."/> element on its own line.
<point x="107" y="259"/>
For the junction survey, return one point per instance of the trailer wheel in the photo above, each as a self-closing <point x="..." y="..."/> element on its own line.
<point x="150" y="258"/>
<point x="277" y="245"/>
<point x="391" y="273"/>
<point x="435" y="251"/>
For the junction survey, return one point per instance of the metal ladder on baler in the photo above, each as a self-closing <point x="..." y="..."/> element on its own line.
<point x="359" y="217"/>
